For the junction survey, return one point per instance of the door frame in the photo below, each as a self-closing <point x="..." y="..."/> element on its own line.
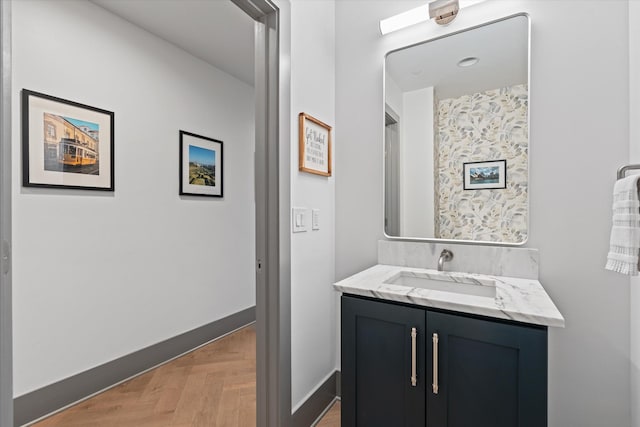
<point x="272" y="197"/>
<point x="273" y="392"/>
<point x="6" y="349"/>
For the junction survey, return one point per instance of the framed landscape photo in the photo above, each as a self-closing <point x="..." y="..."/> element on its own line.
<point x="485" y="175"/>
<point x="66" y="144"/>
<point x="200" y="165"/>
<point x="314" y="140"/>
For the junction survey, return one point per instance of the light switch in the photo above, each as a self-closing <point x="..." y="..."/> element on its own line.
<point x="299" y="219"/>
<point x="315" y="219"/>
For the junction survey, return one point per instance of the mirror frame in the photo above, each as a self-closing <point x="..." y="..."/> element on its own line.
<point x="384" y="93"/>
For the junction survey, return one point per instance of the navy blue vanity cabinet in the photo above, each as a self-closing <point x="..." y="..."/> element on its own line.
<point x="377" y="352"/>
<point x="489" y="373"/>
<point x="471" y="371"/>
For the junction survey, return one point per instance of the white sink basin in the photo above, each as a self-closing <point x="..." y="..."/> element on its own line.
<point x="454" y="283"/>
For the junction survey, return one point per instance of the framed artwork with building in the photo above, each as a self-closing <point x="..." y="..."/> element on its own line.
<point x="66" y="144"/>
<point x="200" y="165"/>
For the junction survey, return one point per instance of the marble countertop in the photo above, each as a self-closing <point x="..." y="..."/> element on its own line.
<point x="521" y="300"/>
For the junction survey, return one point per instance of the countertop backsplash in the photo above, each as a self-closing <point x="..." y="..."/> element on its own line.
<point x="492" y="260"/>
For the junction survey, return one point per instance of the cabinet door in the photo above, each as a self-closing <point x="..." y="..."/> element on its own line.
<point x="377" y="353"/>
<point x="490" y="374"/>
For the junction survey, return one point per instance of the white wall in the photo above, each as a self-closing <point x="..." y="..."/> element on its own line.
<point x="572" y="130"/>
<point x="155" y="264"/>
<point x="634" y="145"/>
<point x="360" y="54"/>
<point x="416" y="149"/>
<point x="313" y="302"/>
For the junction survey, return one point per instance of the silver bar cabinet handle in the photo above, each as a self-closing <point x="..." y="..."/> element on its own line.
<point x="414" y="376"/>
<point x="435" y="363"/>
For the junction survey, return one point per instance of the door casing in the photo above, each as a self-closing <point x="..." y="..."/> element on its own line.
<point x="6" y="351"/>
<point x="272" y="193"/>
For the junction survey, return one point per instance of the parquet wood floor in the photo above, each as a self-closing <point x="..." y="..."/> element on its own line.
<point x="213" y="386"/>
<point x="332" y="417"/>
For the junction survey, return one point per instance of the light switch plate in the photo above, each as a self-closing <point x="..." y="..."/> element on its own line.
<point x="299" y="220"/>
<point x="315" y="219"/>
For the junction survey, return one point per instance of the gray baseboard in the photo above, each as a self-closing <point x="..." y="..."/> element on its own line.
<point x="46" y="400"/>
<point x="316" y="404"/>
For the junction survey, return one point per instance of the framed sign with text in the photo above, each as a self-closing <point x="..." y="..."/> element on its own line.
<point x="314" y="145"/>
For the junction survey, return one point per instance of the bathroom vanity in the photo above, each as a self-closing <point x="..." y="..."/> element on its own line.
<point x="428" y="348"/>
<point x="422" y="347"/>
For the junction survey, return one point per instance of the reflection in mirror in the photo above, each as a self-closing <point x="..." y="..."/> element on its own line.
<point x="461" y="99"/>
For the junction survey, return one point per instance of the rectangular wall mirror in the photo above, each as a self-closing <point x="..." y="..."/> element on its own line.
<point x="457" y="136"/>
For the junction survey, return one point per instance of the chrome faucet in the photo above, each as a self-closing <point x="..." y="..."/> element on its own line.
<point x="445" y="255"/>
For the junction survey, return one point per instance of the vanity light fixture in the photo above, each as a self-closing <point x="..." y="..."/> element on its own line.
<point x="441" y="11"/>
<point x="468" y="61"/>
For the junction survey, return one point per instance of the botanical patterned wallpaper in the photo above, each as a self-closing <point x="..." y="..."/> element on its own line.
<point x="485" y="126"/>
<point x="436" y="169"/>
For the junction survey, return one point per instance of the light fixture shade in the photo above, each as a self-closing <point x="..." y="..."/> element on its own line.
<point x="467" y="3"/>
<point x="414" y="16"/>
<point x="405" y="19"/>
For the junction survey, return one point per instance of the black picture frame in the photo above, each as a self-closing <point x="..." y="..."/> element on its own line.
<point x="63" y="144"/>
<point x="486" y="175"/>
<point x="201" y="165"/>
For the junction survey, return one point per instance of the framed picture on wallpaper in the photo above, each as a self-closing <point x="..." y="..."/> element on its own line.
<point x="66" y="144"/>
<point x="485" y="175"/>
<point x="200" y="165"/>
<point x="314" y="144"/>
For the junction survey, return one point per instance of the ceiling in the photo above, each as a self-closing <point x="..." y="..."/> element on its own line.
<point x="216" y="31"/>
<point x="502" y="49"/>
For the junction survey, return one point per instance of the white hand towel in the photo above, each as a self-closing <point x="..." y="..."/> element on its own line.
<point x="625" y="232"/>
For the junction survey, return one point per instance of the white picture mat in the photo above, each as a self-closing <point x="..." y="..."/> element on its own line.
<point x="188" y="140"/>
<point x="37" y="174"/>
<point x="310" y="148"/>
